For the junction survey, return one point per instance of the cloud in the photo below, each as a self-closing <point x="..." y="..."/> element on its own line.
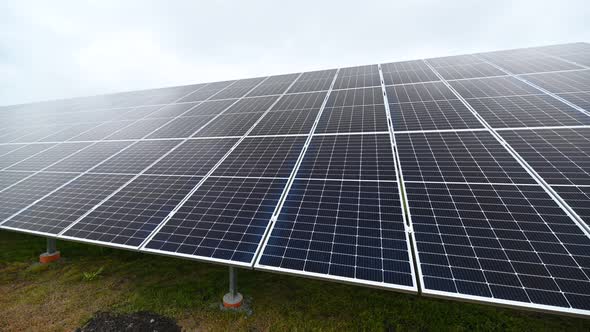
<point x="71" y="48"/>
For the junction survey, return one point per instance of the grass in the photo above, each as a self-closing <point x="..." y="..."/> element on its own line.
<point x="58" y="297"/>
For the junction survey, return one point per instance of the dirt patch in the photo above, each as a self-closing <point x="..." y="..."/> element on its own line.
<point x="134" y="322"/>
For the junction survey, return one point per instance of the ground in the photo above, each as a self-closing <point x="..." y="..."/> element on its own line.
<point x="64" y="296"/>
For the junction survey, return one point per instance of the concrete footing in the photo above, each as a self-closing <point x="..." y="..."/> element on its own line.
<point x="233" y="299"/>
<point x="51" y="255"/>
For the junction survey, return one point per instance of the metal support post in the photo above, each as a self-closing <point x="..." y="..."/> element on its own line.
<point x="233" y="299"/>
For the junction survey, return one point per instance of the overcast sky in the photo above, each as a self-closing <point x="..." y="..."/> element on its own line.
<point x="56" y="49"/>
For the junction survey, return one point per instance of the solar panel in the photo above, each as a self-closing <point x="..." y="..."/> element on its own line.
<point x="582" y="59"/>
<point x="25" y="152"/>
<point x="355" y="110"/>
<point x="358" y="77"/>
<point x="171" y="111"/>
<point x="8" y="178"/>
<point x="577" y="197"/>
<point x="274" y="85"/>
<point x="238" y="89"/>
<point x="138" y="129"/>
<point x="137" y="157"/>
<point x="48" y="157"/>
<point x="58" y="210"/>
<point x="407" y="72"/>
<point x="458" y="157"/>
<point x="183" y="127"/>
<point x="101" y="131"/>
<point x="213" y="107"/>
<point x="286" y="122"/>
<point x="262" y="157"/>
<point x="349" y="157"/>
<point x="492" y="87"/>
<point x="533" y="65"/>
<point x="28" y="190"/>
<point x="528" y="111"/>
<point x="423" y="92"/>
<point x="229" y="125"/>
<point x="472" y="183"/>
<point x="432" y="115"/>
<point x="223" y="220"/>
<point x="313" y="81"/>
<point x="509" y="244"/>
<point x="560" y="156"/>
<point x="562" y="82"/>
<point x="133" y="212"/>
<point x="581" y="99"/>
<point x="193" y="157"/>
<point x="472" y="70"/>
<point x="342" y="230"/>
<point x="246" y="105"/>
<point x="206" y="92"/>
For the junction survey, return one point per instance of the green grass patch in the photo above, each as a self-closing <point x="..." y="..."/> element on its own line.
<point x="56" y="298"/>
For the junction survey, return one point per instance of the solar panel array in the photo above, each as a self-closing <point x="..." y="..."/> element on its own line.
<point x="463" y="177"/>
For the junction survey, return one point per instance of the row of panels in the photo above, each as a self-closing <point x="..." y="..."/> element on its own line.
<point x="482" y="227"/>
<point x="502" y="102"/>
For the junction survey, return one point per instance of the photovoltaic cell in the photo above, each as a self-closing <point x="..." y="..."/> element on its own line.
<point x="346" y="230"/>
<point x="458" y="157"/>
<point x="262" y="157"/>
<point x="498" y="242"/>
<point x="129" y="216"/>
<point x="193" y="157"/>
<point x="224" y="220"/>
<point x="350" y="157"/>
<point x="137" y="157"/>
<point x="55" y="212"/>
<point x="560" y="156"/>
